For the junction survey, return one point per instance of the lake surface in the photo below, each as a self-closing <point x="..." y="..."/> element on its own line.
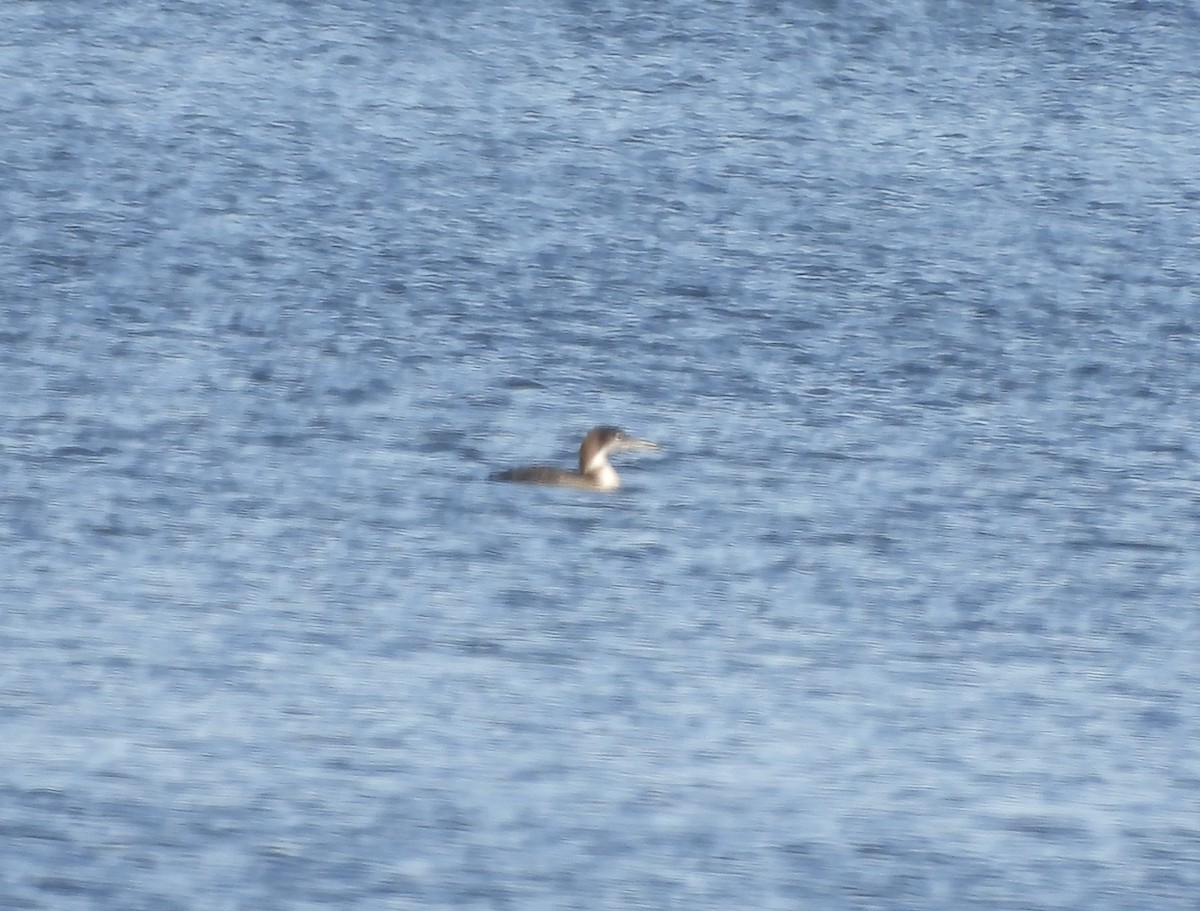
<point x="905" y="614"/>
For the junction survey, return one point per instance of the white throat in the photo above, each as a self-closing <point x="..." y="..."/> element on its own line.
<point x="601" y="471"/>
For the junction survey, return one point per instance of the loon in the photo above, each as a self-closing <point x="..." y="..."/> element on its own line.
<point x="595" y="472"/>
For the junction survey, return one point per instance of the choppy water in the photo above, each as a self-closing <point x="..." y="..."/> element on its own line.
<point x="904" y="617"/>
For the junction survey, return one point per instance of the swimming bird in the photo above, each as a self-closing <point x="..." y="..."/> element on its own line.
<point x="595" y="472"/>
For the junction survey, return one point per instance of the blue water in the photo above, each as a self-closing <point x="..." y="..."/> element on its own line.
<point x="905" y="616"/>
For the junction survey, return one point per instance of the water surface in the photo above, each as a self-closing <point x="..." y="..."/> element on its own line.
<point x="905" y="614"/>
